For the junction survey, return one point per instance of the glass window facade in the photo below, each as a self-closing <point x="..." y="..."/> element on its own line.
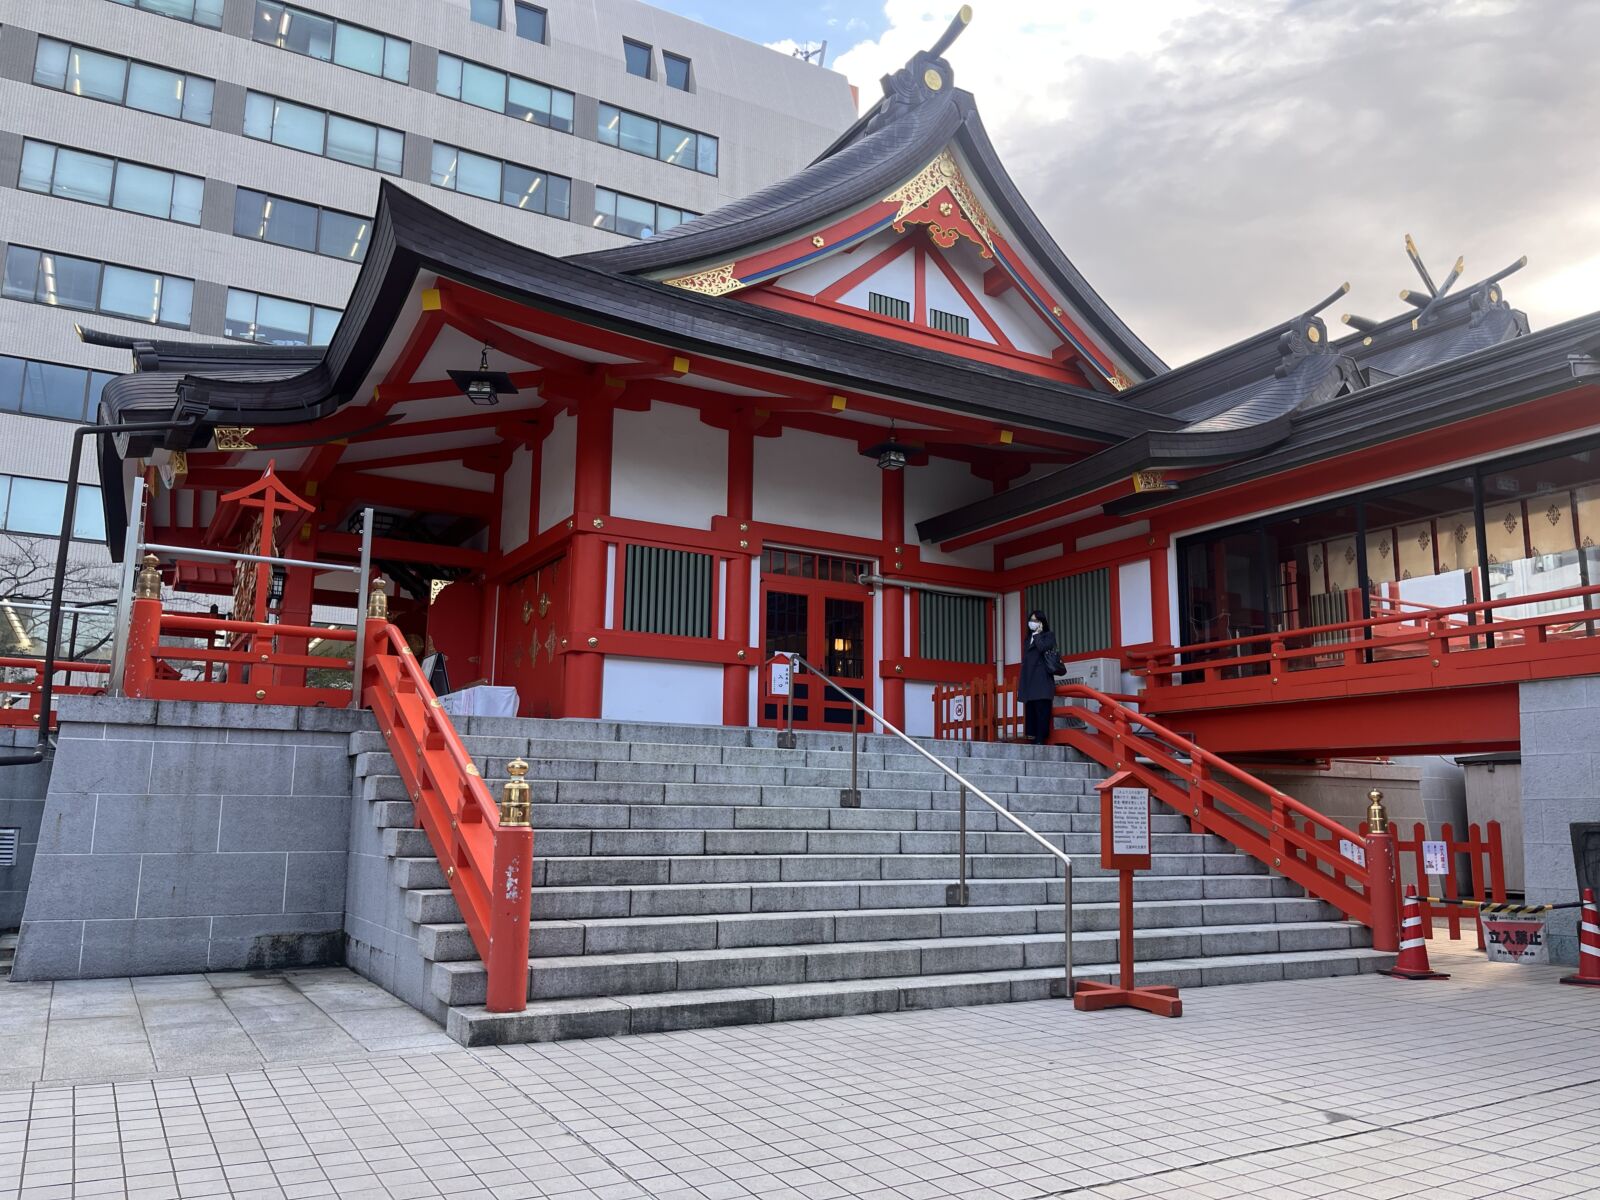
<point x="486" y="12"/>
<point x="317" y="36"/>
<point x="635" y="217"/>
<point x="83" y="72"/>
<point x="61" y="281"/>
<point x="524" y="99"/>
<point x="196" y="12"/>
<point x="326" y="135"/>
<point x="283" y="222"/>
<point x="37" y="505"/>
<point x="274" y="321"/>
<point x="42" y="389"/>
<point x="507" y="183"/>
<point x="532" y="22"/>
<point x="95" y="179"/>
<point x="677" y="68"/>
<point x="639" y="134"/>
<point x="1527" y="526"/>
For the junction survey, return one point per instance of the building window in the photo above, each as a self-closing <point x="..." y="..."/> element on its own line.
<point x="524" y="99"/>
<point x="196" y="12"/>
<point x="889" y="306"/>
<point x="316" y="36"/>
<point x="327" y="135"/>
<point x="532" y="23"/>
<point x="655" y="139"/>
<point x="37" y="506"/>
<point x="42" y="389"/>
<point x="637" y="57"/>
<point x="486" y="12"/>
<point x="634" y="217"/>
<point x="667" y="591"/>
<point x="273" y="321"/>
<point x="488" y="178"/>
<point x="677" y="70"/>
<point x="110" y="183"/>
<point x="948" y="322"/>
<point x="82" y="72"/>
<point x="1079" y="608"/>
<point x="284" y="222"/>
<point x="61" y="281"/>
<point x="952" y="627"/>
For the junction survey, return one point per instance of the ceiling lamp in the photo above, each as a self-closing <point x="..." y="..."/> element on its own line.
<point x="483" y="386"/>
<point x="891" y="455"/>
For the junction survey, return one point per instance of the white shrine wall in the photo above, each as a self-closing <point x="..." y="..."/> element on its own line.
<point x="668" y="466"/>
<point x="557" y="460"/>
<point x="811" y="481"/>
<point x="516" y="499"/>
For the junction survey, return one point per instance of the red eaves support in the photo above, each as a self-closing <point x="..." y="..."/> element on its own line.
<point x="1125" y="848"/>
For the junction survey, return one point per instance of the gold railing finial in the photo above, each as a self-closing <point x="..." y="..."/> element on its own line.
<point x="147" y="584"/>
<point x="514" y="798"/>
<point x="378" y="600"/>
<point x="1377" y="814"/>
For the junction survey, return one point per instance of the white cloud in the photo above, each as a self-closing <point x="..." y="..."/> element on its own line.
<point x="1213" y="166"/>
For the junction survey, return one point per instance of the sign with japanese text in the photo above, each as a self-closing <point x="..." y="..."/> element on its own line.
<point x="1435" y="858"/>
<point x="780" y="681"/>
<point x="1124" y="824"/>
<point x="1354" y="851"/>
<point x="1515" y="940"/>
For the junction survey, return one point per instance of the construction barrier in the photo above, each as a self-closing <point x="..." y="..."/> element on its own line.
<point x="1588" y="944"/>
<point x="1413" y="960"/>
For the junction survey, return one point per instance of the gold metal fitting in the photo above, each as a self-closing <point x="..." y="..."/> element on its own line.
<point x="147" y="584"/>
<point x="261" y="693"/>
<point x="744" y="544"/>
<point x="741" y="654"/>
<point x="378" y="601"/>
<point x="1377" y="814"/>
<point x="514" y="797"/>
<point x="744" y="527"/>
<point x="599" y="524"/>
<point x="266" y="658"/>
<point x="594" y="641"/>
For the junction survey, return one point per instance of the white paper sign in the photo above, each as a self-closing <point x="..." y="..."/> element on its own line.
<point x="1130" y="820"/>
<point x="779" y="684"/>
<point x="1515" y="940"/>
<point x="958" y="708"/>
<point x="1435" y="858"/>
<point x="1356" y="854"/>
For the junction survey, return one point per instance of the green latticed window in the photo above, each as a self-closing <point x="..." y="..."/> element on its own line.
<point x="953" y="628"/>
<point x="1079" y="608"/>
<point x="667" y="591"/>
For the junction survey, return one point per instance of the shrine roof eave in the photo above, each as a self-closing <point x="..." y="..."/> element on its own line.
<point x="862" y="167"/>
<point x="1514" y="372"/>
<point x="412" y="238"/>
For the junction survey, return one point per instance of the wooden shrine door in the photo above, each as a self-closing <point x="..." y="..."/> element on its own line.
<point x="812" y="604"/>
<point x="533" y="620"/>
<point x="455" y="620"/>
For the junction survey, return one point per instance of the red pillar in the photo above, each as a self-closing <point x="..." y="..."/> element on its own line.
<point x="893" y="599"/>
<point x="295" y="609"/>
<point x="144" y="634"/>
<point x="489" y="608"/>
<point x="591" y="500"/>
<point x="741" y="504"/>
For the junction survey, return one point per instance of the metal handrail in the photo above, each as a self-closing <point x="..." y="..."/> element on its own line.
<point x="959" y="897"/>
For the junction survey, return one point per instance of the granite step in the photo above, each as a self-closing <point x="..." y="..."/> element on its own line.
<point x="660" y="1012"/>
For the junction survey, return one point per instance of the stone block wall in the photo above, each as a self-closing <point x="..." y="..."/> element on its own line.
<point x="22" y="792"/>
<point x="179" y="836"/>
<point x="1560" y="785"/>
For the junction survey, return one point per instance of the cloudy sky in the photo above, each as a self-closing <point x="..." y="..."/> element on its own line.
<point x="1214" y="166"/>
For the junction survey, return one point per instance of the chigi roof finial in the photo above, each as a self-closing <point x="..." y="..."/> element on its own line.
<point x="926" y="77"/>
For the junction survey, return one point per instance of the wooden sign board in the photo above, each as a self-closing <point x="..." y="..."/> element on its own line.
<point x="1124" y="824"/>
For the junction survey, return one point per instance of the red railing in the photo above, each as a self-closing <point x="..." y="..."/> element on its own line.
<point x="1485" y="877"/>
<point x="1434" y="641"/>
<point x="20" y="714"/>
<point x="488" y="864"/>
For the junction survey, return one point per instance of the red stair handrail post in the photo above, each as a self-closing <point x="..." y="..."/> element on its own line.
<point x="1383" y="892"/>
<point x="144" y="630"/>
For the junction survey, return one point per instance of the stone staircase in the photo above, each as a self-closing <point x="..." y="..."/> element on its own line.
<point x="688" y="876"/>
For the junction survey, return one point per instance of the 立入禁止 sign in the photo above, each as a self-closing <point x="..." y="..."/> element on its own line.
<point x="1515" y="940"/>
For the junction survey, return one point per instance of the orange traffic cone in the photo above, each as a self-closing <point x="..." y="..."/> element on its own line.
<point x="1413" y="960"/>
<point x="1588" y="944"/>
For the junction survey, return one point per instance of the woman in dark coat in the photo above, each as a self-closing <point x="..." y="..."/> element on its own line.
<point x="1036" y="686"/>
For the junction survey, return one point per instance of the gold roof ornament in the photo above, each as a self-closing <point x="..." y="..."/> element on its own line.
<point x="234" y="437"/>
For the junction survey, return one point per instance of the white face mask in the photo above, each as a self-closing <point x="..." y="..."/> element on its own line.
<point x="1036" y="626"/>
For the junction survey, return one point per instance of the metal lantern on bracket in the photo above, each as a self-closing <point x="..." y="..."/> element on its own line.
<point x="891" y="454"/>
<point x="276" y="585"/>
<point x="483" y="387"/>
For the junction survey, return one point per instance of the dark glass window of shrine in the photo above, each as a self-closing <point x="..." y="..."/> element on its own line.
<point x="637" y="57"/>
<point x="802" y="564"/>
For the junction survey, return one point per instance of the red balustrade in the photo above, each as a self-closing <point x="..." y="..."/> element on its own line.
<point x="488" y="863"/>
<point x="1485" y="877"/>
<point x="1402" y="646"/>
<point x="15" y="713"/>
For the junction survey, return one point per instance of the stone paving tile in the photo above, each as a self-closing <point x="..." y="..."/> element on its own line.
<point x="1357" y="1086"/>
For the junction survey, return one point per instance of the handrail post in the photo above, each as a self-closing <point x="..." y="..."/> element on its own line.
<point x="363" y="575"/>
<point x="144" y="630"/>
<point x="956" y="894"/>
<point x="850" y="797"/>
<point x="510" y="898"/>
<point x="1381" y="877"/>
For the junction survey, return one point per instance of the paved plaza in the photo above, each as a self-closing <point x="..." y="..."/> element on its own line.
<point x="316" y="1084"/>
